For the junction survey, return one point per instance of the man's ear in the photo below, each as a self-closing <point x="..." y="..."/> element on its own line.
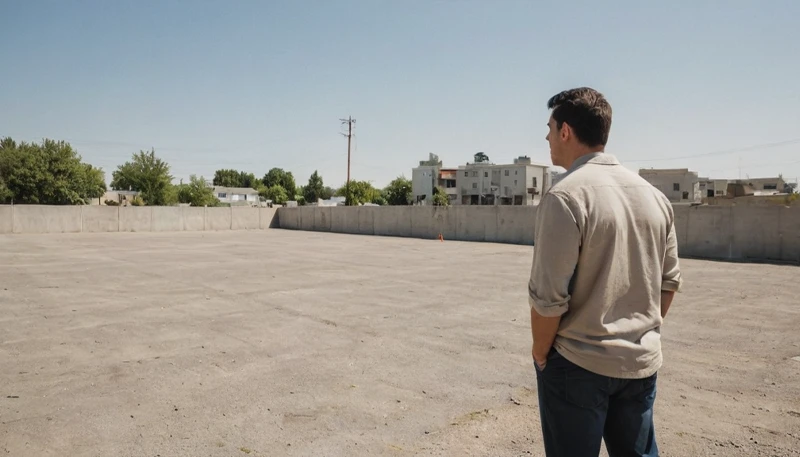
<point x="565" y="132"/>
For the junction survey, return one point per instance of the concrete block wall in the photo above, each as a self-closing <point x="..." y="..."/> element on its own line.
<point x="100" y="219"/>
<point x="244" y="218"/>
<point x="6" y="219"/>
<point x="194" y="219"/>
<point x="47" y="219"/>
<point x="503" y="224"/>
<point x="135" y="219"/>
<point x="76" y="219"/>
<point x="746" y="233"/>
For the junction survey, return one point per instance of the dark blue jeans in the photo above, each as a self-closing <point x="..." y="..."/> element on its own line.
<point x="579" y="408"/>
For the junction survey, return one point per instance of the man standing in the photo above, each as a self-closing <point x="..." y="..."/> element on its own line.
<point x="605" y="271"/>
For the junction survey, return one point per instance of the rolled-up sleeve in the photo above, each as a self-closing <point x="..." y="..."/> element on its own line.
<point x="557" y="242"/>
<point x="671" y="276"/>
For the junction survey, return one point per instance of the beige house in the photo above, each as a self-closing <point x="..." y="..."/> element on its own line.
<point x="238" y="196"/>
<point x="765" y="185"/>
<point x="122" y="197"/>
<point x="678" y="184"/>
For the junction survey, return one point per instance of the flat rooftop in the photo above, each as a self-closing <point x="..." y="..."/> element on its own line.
<point x="275" y="342"/>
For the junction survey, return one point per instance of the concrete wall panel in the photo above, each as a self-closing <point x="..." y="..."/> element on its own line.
<point x="428" y="222"/>
<point x="244" y="218"/>
<point x="306" y="217"/>
<point x="682" y="213"/>
<point x="47" y="219"/>
<point x="6" y="219"/>
<point x="167" y="219"/>
<point x="488" y="217"/>
<point x="391" y="221"/>
<point x="218" y="218"/>
<point x="446" y="222"/>
<point x="515" y="224"/>
<point x="789" y="227"/>
<point x="709" y="233"/>
<point x="468" y="228"/>
<point x="322" y="218"/>
<point x="194" y="218"/>
<point x="289" y="218"/>
<point x="100" y="219"/>
<point x="268" y="218"/>
<point x="135" y="218"/>
<point x="756" y="233"/>
<point x="344" y="219"/>
<point x="366" y="220"/>
<point x="424" y="224"/>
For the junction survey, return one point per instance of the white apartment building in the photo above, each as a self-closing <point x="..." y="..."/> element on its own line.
<point x="482" y="183"/>
<point x="430" y="175"/>
<point x="520" y="183"/>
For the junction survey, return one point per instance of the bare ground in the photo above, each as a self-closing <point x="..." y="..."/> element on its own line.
<point x="294" y="343"/>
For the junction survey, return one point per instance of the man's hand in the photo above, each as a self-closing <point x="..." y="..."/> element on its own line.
<point x="544" y="330"/>
<point x="538" y="357"/>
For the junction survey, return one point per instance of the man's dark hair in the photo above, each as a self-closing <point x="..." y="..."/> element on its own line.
<point x="586" y="111"/>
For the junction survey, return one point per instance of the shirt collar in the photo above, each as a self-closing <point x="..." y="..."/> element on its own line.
<point x="600" y="158"/>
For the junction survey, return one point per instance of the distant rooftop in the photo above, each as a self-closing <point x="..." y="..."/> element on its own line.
<point x="236" y="190"/>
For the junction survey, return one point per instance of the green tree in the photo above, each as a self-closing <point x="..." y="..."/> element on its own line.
<point x="440" y="197"/>
<point x="399" y="192"/>
<point x="5" y="192"/>
<point x="279" y="177"/>
<point x="94" y="182"/>
<point x="197" y="193"/>
<point x="277" y="194"/>
<point x="313" y="191"/>
<point x="360" y="192"/>
<point x="49" y="173"/>
<point x="481" y="157"/>
<point x="148" y="175"/>
<point x="233" y="178"/>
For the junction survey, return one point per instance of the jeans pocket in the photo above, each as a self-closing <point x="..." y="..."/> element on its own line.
<point x="585" y="389"/>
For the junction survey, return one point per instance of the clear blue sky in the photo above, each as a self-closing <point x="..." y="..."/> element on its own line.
<point x="257" y="84"/>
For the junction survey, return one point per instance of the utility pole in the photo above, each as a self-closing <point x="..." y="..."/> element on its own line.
<point x="349" y="121"/>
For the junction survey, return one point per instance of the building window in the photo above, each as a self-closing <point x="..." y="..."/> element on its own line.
<point x="507" y="173"/>
<point x="466" y="174"/>
<point x="720" y="192"/>
<point x="222" y="195"/>
<point x="485" y="174"/>
<point x="516" y="172"/>
<point x="676" y="187"/>
<point x="451" y="183"/>
<point x="474" y="185"/>
<point x="770" y="187"/>
<point x="534" y="181"/>
<point x="515" y="182"/>
<point x="474" y="174"/>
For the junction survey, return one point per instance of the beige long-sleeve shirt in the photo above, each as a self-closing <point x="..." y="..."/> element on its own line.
<point x="604" y="249"/>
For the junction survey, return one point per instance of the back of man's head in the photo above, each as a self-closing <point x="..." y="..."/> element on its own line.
<point x="586" y="111"/>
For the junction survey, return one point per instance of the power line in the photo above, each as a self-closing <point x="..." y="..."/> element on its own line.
<point x="723" y="152"/>
<point x="754" y="166"/>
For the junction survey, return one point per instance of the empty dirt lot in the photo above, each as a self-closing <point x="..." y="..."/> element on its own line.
<point x="294" y="343"/>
